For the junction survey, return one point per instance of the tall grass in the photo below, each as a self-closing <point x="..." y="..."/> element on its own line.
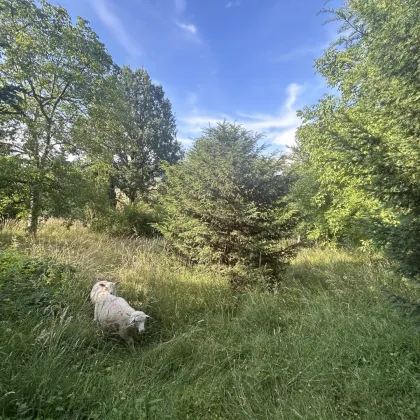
<point x="326" y="345"/>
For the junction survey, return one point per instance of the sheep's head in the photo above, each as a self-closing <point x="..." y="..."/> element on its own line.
<point x="138" y="318"/>
<point x="103" y="288"/>
<point x="108" y="286"/>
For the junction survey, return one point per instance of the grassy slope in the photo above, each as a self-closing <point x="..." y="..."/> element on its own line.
<point x="326" y="346"/>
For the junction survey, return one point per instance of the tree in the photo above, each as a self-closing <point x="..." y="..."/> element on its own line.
<point x="9" y="94"/>
<point x="13" y="188"/>
<point x="308" y="200"/>
<point x="10" y="100"/>
<point x="365" y="139"/>
<point x="58" y="67"/>
<point x="102" y="130"/>
<point x="149" y="134"/>
<point x="224" y="204"/>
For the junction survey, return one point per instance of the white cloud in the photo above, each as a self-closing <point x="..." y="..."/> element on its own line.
<point x="180" y="6"/>
<point x="187" y="27"/>
<point x="278" y="128"/>
<point x="232" y="4"/>
<point x="190" y="32"/>
<point x="271" y="123"/>
<point x="293" y="91"/>
<point x="194" y="124"/>
<point x="311" y="51"/>
<point x="286" y="137"/>
<point x="113" y="22"/>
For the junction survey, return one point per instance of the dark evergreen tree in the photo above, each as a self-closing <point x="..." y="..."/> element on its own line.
<point x="225" y="204"/>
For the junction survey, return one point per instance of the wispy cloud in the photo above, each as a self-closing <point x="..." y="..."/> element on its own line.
<point x="113" y="22"/>
<point x="293" y="91"/>
<point x="230" y="4"/>
<point x="312" y="51"/>
<point x="190" y="32"/>
<point x="185" y="141"/>
<point x="279" y="129"/>
<point x="286" y="137"/>
<point x="187" y="27"/>
<point x="193" y="125"/>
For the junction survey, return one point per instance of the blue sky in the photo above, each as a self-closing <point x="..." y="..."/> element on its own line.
<point x="249" y="61"/>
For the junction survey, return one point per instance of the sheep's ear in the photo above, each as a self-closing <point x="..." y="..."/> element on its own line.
<point x="148" y="316"/>
<point x="102" y="284"/>
<point x="116" y="282"/>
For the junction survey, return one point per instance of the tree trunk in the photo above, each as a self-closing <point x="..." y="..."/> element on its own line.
<point x="35" y="207"/>
<point x="112" y="195"/>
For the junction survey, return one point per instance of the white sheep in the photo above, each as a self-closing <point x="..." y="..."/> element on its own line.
<point x="115" y="313"/>
<point x="102" y="288"/>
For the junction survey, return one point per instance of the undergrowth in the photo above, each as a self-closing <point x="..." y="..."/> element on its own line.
<point x="327" y="344"/>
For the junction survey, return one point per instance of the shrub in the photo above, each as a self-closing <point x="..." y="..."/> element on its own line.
<point x="37" y="284"/>
<point x="136" y="219"/>
<point x="401" y="242"/>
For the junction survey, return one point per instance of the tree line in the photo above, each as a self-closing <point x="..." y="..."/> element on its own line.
<point x="71" y="119"/>
<point x="82" y="138"/>
<point x="358" y="153"/>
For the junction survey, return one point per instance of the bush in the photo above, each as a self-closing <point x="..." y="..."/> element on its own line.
<point x="401" y="242"/>
<point x="136" y="219"/>
<point x="41" y="285"/>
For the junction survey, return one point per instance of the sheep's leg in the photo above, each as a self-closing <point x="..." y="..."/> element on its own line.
<point x="130" y="342"/>
<point x="95" y="313"/>
<point x="127" y="337"/>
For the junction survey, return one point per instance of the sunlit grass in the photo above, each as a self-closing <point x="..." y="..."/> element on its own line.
<point x="325" y="345"/>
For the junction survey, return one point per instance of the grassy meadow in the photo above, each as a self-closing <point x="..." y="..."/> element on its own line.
<point x="327" y="344"/>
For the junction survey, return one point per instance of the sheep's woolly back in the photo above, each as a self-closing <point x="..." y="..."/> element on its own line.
<point x="113" y="310"/>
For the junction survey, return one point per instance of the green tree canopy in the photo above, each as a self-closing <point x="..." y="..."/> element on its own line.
<point x="363" y="143"/>
<point x="148" y="134"/>
<point x="58" y="67"/>
<point x="224" y="203"/>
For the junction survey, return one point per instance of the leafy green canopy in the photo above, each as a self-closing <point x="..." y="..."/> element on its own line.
<point x="363" y="143"/>
<point x="149" y="134"/>
<point x="133" y="119"/>
<point x="58" y="68"/>
<point x="224" y="204"/>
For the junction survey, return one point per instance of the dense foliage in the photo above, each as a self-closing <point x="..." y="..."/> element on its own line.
<point x="224" y="204"/>
<point x="362" y="144"/>
<point x="67" y="112"/>
<point x="57" y="66"/>
<point x="149" y="135"/>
